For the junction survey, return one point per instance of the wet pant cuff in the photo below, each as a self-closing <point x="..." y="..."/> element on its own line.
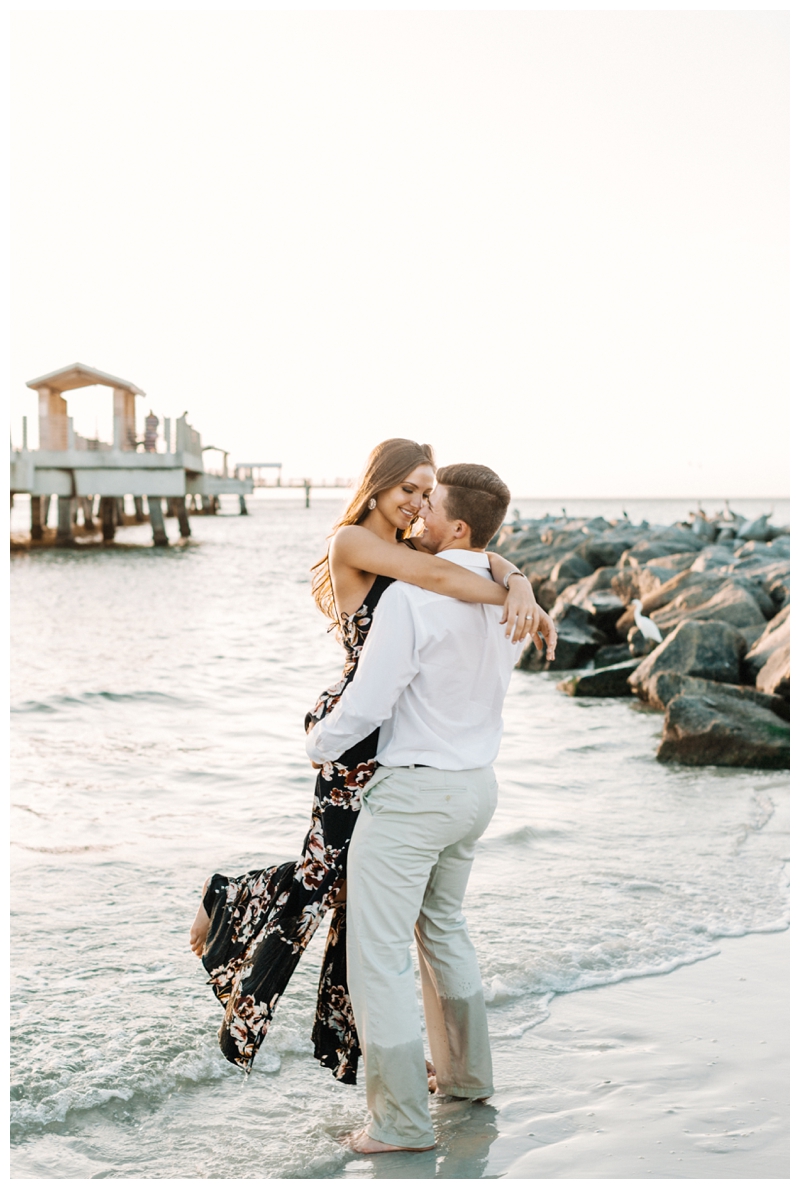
<point x="386" y="1137"/>
<point x="466" y="1091"/>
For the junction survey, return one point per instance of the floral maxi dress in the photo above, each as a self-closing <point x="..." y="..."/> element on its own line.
<point x="261" y="922"/>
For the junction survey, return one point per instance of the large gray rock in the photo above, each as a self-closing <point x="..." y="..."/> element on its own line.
<point x="564" y="538"/>
<point x="612" y="654"/>
<point x="638" y="582"/>
<point x="773" y="677"/>
<point x="602" y="605"/>
<point x="774" y="638"/>
<point x="755" y="530"/>
<point x="720" y="729"/>
<point x="601" y="579"/>
<point x="730" y="604"/>
<point x="572" y="566"/>
<point x="771" y="576"/>
<point x="665" y="685"/>
<point x="713" y="650"/>
<point x="705" y="529"/>
<point x="780" y="592"/>
<point x="675" y="561"/>
<point x="547" y="592"/>
<point x="752" y="633"/>
<point x="577" y="643"/>
<point x="609" y="682"/>
<point x="602" y="551"/>
<point x="714" y="557"/>
<point x="661" y="542"/>
<point x="772" y="550"/>
<point x="605" y="608"/>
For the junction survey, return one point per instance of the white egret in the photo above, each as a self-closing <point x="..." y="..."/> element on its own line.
<point x="646" y="626"/>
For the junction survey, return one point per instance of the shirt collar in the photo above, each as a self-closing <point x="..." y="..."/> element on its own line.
<point x="467" y="558"/>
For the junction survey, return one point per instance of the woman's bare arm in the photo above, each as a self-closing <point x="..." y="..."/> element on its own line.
<point x="362" y="550"/>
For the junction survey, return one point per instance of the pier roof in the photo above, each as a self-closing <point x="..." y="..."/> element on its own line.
<point x="78" y="375"/>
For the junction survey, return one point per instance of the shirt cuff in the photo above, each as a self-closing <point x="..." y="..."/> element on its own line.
<point x="312" y="751"/>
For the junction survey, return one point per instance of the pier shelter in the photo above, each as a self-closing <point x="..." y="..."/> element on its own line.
<point x="76" y="469"/>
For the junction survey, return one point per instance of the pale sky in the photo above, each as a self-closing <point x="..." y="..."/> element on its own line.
<point x="552" y="242"/>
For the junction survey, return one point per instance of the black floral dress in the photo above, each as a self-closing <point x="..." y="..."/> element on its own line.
<point x="261" y="922"/>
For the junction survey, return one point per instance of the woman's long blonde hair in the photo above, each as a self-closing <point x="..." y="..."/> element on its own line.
<point x="388" y="464"/>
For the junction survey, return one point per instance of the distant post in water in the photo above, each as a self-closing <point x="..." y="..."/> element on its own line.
<point x="308" y="492"/>
<point x="242" y="506"/>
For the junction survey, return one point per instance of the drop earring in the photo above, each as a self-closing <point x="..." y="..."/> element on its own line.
<point x="372" y="505"/>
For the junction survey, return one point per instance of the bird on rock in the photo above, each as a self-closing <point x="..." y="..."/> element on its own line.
<point x="646" y="626"/>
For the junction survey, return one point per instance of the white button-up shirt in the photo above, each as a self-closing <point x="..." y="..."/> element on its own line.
<point x="432" y="675"/>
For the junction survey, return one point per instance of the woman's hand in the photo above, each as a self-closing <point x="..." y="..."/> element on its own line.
<point x="546" y="635"/>
<point x="521" y="612"/>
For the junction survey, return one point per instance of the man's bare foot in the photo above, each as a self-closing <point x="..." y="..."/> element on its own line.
<point x="432" y="1085"/>
<point x="199" y="930"/>
<point x="359" y="1141"/>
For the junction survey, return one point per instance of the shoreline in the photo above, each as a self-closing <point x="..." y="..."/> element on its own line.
<point x="679" y="1075"/>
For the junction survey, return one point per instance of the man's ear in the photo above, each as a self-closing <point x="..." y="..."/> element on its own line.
<point x="460" y="529"/>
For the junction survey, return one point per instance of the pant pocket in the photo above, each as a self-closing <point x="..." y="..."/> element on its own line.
<point x="380" y="776"/>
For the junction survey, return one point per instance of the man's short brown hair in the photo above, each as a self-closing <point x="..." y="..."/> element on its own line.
<point x="476" y="495"/>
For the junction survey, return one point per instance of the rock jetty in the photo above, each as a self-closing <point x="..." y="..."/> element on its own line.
<point x="717" y="588"/>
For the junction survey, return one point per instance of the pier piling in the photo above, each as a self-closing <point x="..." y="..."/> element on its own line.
<point x="36" y="518"/>
<point x="157" y="520"/>
<point x="183" y="517"/>
<point x="64" y="531"/>
<point x="108" y="517"/>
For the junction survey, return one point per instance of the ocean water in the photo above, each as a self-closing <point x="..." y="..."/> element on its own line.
<point x="157" y="710"/>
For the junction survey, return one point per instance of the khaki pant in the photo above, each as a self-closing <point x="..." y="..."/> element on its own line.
<point x="407" y="871"/>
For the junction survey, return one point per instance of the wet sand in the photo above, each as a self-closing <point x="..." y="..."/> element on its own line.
<point x="679" y="1075"/>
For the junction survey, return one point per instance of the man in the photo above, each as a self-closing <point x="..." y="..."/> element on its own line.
<point x="433" y="676"/>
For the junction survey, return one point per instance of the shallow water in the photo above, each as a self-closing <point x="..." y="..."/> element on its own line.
<point x="158" y="700"/>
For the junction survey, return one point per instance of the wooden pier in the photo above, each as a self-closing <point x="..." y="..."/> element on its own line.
<point x="77" y="471"/>
<point x="253" y="472"/>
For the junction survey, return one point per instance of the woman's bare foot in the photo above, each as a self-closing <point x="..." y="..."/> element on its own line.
<point x="359" y="1141"/>
<point x="432" y="1085"/>
<point x="199" y="930"/>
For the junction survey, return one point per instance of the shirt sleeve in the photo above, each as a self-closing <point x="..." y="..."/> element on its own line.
<point x="388" y="662"/>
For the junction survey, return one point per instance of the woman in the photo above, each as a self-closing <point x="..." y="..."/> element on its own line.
<point x="251" y="930"/>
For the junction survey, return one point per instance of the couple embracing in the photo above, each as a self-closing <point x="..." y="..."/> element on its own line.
<point x="432" y="625"/>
